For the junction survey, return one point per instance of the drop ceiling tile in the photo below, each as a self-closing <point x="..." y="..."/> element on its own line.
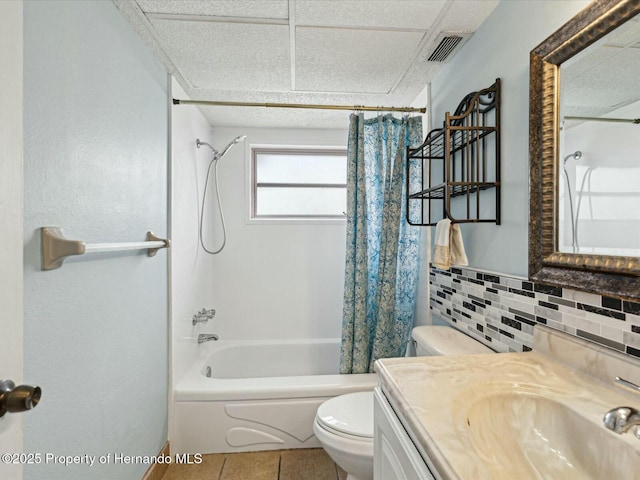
<point x="632" y="110"/>
<point x="607" y="84"/>
<point x="604" y="76"/>
<point x="467" y="15"/>
<point x="250" y="63"/>
<point x="228" y="56"/>
<point x="413" y="14"/>
<point x="292" y="118"/>
<point x="359" y="61"/>
<point x="223" y="8"/>
<point x="276" y="118"/>
<point x="420" y="73"/>
<point x="626" y="34"/>
<point x="580" y="64"/>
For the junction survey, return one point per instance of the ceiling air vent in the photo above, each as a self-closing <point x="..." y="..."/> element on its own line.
<point x="449" y="42"/>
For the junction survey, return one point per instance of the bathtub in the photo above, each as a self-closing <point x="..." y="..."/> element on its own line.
<point x="261" y="395"/>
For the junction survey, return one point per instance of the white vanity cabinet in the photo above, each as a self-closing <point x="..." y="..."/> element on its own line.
<point x="395" y="457"/>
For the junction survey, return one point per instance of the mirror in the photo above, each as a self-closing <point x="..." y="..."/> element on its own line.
<point x="599" y="168"/>
<point x="584" y="139"/>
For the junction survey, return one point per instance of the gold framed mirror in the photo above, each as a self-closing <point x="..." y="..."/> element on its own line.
<point x="605" y="274"/>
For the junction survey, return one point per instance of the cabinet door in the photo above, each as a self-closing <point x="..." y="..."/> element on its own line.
<point x="394" y="457"/>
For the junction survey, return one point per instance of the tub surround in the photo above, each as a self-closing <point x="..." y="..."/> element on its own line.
<point x="563" y="370"/>
<point x="191" y="269"/>
<point x="274" y="280"/>
<point x="501" y="310"/>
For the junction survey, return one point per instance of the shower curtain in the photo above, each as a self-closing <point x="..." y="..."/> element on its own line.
<point x="381" y="267"/>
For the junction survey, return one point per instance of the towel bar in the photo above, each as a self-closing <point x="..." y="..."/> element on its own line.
<point x="56" y="247"/>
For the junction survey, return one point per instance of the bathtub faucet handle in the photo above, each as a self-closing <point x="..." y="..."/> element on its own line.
<point x="203" y="316"/>
<point x="199" y="318"/>
<point x="208" y="313"/>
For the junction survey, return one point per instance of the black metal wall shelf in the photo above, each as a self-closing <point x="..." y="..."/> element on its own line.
<point x="461" y="160"/>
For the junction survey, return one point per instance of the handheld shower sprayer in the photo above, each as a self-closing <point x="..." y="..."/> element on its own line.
<point x="231" y="144"/>
<point x="214" y="162"/>
<point x="216" y="154"/>
<point x="577" y="155"/>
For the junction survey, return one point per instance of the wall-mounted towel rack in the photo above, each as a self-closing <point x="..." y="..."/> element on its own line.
<point x="459" y="165"/>
<point x="56" y="247"/>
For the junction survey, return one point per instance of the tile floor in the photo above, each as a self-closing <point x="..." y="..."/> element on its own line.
<point x="299" y="464"/>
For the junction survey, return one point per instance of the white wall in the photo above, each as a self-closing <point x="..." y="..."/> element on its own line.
<point x="500" y="48"/>
<point x="95" y="139"/>
<point x="271" y="281"/>
<point x="191" y="268"/>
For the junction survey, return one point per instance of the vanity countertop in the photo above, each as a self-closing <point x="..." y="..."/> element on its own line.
<point x="472" y="414"/>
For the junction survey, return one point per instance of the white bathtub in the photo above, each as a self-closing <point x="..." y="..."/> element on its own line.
<point x="262" y="395"/>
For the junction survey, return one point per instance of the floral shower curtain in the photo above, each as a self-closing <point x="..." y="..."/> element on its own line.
<point x="381" y="268"/>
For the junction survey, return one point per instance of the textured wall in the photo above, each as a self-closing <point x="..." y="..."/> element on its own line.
<point x="95" y="165"/>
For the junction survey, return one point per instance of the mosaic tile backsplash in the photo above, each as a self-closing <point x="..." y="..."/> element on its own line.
<point x="501" y="311"/>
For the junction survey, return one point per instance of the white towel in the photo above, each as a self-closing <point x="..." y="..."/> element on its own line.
<point x="449" y="249"/>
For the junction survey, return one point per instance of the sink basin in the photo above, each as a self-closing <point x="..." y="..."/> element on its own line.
<point x="518" y="416"/>
<point x="528" y="436"/>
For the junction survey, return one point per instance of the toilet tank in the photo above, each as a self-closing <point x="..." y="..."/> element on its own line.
<point x="443" y="340"/>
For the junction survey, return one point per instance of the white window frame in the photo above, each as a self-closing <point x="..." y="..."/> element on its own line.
<point x="287" y="149"/>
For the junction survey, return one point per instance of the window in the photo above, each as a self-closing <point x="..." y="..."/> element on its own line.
<point x="298" y="183"/>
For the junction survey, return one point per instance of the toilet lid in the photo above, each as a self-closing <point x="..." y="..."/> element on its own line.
<point x="351" y="414"/>
<point x="443" y="340"/>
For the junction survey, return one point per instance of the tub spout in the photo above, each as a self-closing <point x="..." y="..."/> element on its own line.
<point x="207" y="337"/>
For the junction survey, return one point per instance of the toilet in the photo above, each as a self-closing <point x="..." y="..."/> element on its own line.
<point x="344" y="424"/>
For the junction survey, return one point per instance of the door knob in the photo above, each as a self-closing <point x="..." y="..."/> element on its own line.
<point x="14" y="399"/>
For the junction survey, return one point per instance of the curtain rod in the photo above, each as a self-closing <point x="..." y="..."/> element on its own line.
<point x="299" y="105"/>
<point x="603" y="119"/>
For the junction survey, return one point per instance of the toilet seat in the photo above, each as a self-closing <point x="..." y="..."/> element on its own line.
<point x="349" y="415"/>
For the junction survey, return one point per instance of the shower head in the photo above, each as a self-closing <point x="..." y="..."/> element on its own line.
<point x="576" y="155"/>
<point x="238" y="139"/>
<point x="216" y="154"/>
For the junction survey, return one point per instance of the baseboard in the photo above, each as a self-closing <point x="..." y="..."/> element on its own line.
<point x="157" y="470"/>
